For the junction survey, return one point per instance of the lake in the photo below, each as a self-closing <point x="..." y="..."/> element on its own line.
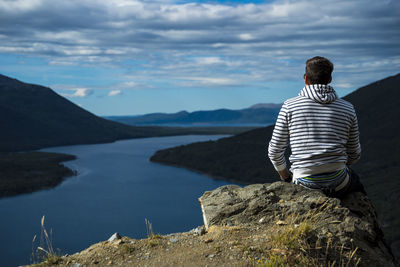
<point x="116" y="189"/>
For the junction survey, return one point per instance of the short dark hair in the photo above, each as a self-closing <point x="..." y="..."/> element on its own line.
<point x="319" y="70"/>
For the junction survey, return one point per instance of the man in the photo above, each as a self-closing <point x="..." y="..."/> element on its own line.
<point x="322" y="131"/>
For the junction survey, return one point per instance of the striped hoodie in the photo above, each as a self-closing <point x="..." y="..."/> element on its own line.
<point x="322" y="131"/>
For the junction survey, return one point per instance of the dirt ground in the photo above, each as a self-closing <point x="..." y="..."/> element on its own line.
<point x="220" y="246"/>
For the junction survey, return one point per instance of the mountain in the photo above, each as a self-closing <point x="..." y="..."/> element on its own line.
<point x="266" y="105"/>
<point x="256" y="114"/>
<point x="243" y="157"/>
<point x="34" y="116"/>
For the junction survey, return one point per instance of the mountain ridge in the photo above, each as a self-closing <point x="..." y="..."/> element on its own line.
<point x="257" y="114"/>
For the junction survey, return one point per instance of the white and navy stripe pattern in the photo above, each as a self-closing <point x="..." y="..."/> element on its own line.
<point x="320" y="93"/>
<point x="324" y="180"/>
<point x="320" y="128"/>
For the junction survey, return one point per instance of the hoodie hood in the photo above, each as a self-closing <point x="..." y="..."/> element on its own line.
<point x="320" y="93"/>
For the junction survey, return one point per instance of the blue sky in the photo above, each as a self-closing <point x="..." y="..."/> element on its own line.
<point x="125" y="57"/>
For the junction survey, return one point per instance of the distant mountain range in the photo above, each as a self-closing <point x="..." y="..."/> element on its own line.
<point x="34" y="116"/>
<point x="243" y="157"/>
<point x="264" y="114"/>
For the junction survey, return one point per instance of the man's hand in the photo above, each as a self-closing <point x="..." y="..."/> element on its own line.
<point x="285" y="175"/>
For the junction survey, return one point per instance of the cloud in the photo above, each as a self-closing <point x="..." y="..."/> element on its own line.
<point x="246" y="36"/>
<point x="19" y="5"/>
<point x="129" y="84"/>
<point x="208" y="60"/>
<point x="114" y="92"/>
<point x="169" y="40"/>
<point x="344" y="85"/>
<point x="80" y="92"/>
<point x="209" y="81"/>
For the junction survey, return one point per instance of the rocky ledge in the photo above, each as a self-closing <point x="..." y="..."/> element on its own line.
<point x="275" y="224"/>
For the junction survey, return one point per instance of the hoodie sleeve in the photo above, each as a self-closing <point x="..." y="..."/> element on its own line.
<point x="279" y="140"/>
<point x="353" y="147"/>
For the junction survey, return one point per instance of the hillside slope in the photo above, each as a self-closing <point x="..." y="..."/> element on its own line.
<point x="243" y="157"/>
<point x="34" y="116"/>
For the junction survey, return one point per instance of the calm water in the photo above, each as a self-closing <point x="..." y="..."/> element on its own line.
<point x="116" y="189"/>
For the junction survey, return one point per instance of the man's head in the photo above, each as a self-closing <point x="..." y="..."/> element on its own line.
<point x="318" y="71"/>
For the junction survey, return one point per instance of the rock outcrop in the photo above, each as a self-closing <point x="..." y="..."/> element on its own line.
<point x="276" y="224"/>
<point x="349" y="223"/>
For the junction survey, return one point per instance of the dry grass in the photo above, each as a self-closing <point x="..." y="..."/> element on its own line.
<point x="295" y="243"/>
<point x="128" y="248"/>
<point x="44" y="252"/>
<point x="153" y="239"/>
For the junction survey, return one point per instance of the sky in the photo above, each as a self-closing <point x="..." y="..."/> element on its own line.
<point x="129" y="57"/>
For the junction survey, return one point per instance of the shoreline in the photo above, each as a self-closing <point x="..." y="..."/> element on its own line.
<point x="24" y="172"/>
<point x="28" y="172"/>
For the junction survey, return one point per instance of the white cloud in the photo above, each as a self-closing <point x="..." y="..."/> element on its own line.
<point x="246" y="36"/>
<point x="209" y="60"/>
<point x="344" y="85"/>
<point x="114" y="92"/>
<point x="167" y="40"/>
<point x="129" y="84"/>
<point x="211" y="81"/>
<point x="19" y="5"/>
<point x="80" y="92"/>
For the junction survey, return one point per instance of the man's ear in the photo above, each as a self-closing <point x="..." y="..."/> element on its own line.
<point x="330" y="80"/>
<point x="306" y="80"/>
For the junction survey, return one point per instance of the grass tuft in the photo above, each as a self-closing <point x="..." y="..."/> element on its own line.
<point x="296" y="242"/>
<point x="153" y="239"/>
<point x="44" y="252"/>
<point x="128" y="248"/>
